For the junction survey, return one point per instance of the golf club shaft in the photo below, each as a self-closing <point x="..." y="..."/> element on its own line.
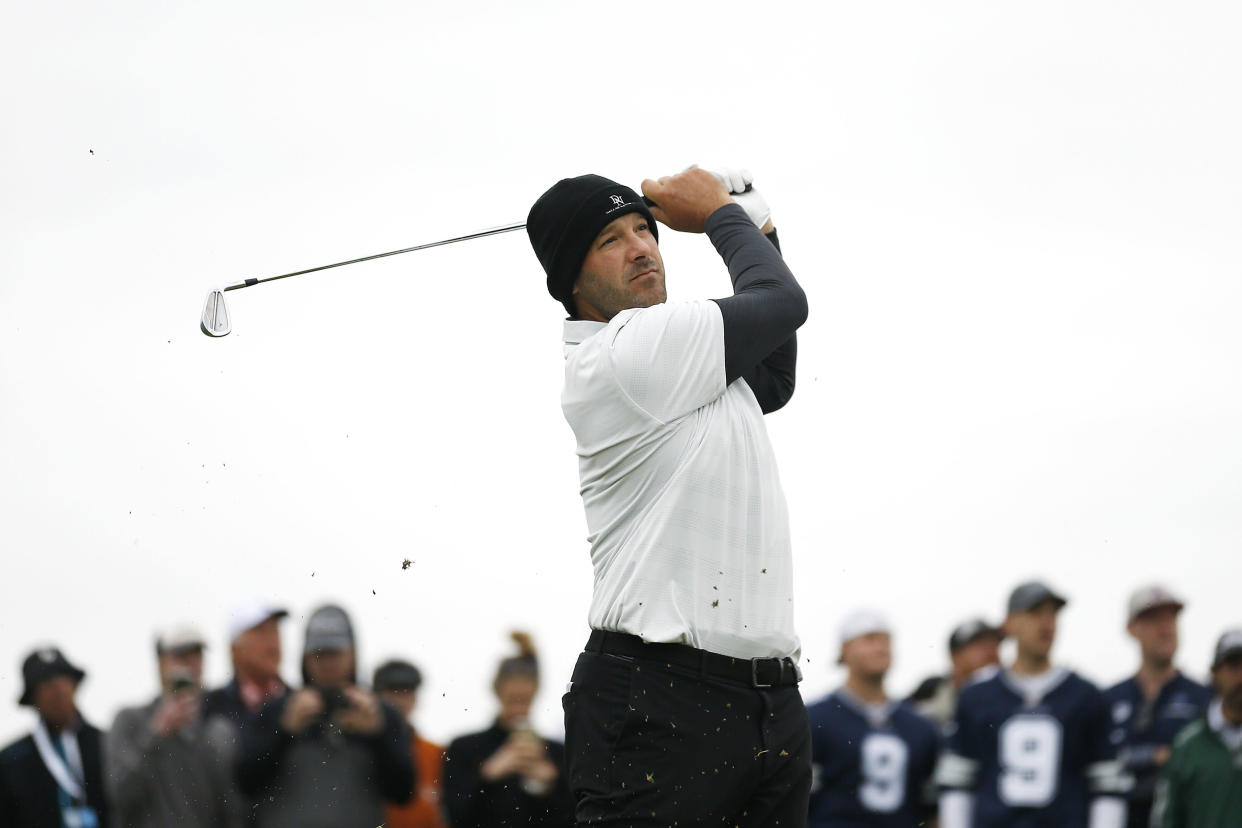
<point x="491" y="231"/>
<point x="214" y="321"/>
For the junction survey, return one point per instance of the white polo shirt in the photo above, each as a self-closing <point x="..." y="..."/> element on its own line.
<point x="689" y="531"/>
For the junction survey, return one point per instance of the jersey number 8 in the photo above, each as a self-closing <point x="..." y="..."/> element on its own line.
<point x="1030" y="760"/>
<point x="884" y="758"/>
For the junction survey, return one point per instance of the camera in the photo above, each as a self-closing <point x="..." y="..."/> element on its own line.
<point x="182" y="680"/>
<point x="334" y="700"/>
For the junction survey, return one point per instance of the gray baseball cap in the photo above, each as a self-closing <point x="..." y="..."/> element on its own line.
<point x="1151" y="597"/>
<point x="1229" y="645"/>
<point x="1031" y="594"/>
<point x="329" y="630"/>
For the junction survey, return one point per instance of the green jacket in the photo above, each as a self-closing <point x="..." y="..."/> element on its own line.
<point x="1201" y="786"/>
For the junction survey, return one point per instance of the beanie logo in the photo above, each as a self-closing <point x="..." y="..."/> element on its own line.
<point x="618" y="201"/>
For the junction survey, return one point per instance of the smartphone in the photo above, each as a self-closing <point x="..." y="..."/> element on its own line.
<point x="182" y="681"/>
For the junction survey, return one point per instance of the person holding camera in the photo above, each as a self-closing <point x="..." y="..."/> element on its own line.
<point x="330" y="754"/>
<point x="165" y="764"/>
<point x="508" y="775"/>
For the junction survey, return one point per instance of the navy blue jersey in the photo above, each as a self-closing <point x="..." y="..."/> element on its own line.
<point x="870" y="773"/>
<point x="1140" y="728"/>
<point x="1031" y="762"/>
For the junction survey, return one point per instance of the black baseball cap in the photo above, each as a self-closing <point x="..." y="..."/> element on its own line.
<point x="397" y="675"/>
<point x="1028" y="596"/>
<point x="970" y="631"/>
<point x="43" y="664"/>
<point x="1228" y="646"/>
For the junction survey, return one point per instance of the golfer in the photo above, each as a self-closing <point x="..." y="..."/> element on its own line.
<point x="684" y="709"/>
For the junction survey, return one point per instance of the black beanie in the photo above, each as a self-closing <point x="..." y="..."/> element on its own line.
<point x="568" y="217"/>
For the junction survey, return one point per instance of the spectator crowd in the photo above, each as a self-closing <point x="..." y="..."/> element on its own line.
<point x="1025" y="743"/>
<point x="328" y="752"/>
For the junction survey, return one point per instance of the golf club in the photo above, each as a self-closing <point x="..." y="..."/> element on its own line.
<point x="215" y="319"/>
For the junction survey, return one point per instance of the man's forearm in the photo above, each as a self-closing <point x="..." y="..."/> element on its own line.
<point x="768" y="304"/>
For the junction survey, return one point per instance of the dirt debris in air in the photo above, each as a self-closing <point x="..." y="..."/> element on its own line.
<point x="406" y="564"/>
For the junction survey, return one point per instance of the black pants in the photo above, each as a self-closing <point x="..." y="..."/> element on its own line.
<point x="652" y="745"/>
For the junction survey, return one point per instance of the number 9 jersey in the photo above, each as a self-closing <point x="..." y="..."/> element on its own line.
<point x="1033" y="751"/>
<point x="872" y="765"/>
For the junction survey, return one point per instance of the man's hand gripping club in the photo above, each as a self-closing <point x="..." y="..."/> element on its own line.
<point x="685" y="201"/>
<point x="694" y="193"/>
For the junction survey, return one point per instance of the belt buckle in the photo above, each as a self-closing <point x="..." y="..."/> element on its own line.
<point x="754" y="672"/>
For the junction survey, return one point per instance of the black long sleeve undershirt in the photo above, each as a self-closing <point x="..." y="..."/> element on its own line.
<point x="766" y="309"/>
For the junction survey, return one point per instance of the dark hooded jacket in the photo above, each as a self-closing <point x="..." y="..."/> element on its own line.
<point x="323" y="777"/>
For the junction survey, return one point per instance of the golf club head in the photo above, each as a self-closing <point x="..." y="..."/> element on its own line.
<point x="215" y="321"/>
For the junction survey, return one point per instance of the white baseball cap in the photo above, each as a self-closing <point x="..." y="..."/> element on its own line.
<point x="179" y="638"/>
<point x="249" y="614"/>
<point x="1150" y="597"/>
<point x="861" y="622"/>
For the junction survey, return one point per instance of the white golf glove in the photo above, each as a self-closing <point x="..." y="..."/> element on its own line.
<point x="736" y="181"/>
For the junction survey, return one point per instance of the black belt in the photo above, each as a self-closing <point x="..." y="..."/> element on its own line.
<point x="754" y="672"/>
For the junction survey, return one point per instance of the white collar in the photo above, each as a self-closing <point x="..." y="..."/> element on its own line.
<point x="877" y="714"/>
<point x="578" y="331"/>
<point x="1034" y="689"/>
<point x="1230" y="734"/>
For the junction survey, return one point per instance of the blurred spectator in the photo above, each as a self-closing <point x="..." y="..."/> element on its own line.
<point x="973" y="645"/>
<point x="254" y="635"/>
<point x="507" y="775"/>
<point x="1151" y="708"/>
<point x="397" y="683"/>
<point x="330" y="754"/>
<point x="1202" y="782"/>
<point x="872" y="757"/>
<point x="53" y="778"/>
<point x="1029" y="745"/>
<point x="166" y="764"/>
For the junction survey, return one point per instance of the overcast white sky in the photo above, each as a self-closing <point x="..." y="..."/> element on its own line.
<point x="1018" y="225"/>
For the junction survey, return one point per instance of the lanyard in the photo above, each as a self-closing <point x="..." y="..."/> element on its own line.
<point x="70" y="781"/>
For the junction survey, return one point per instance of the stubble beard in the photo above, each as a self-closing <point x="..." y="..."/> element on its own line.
<point x="654" y="295"/>
<point x="615" y="298"/>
